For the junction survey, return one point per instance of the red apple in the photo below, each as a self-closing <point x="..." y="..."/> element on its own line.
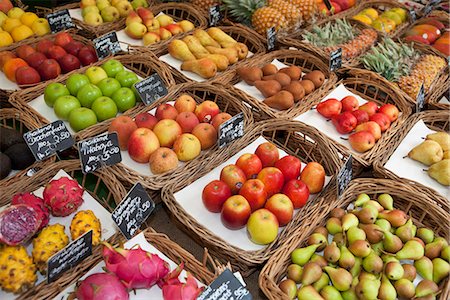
<point x="361" y="116"/>
<point x="254" y="192"/>
<point x="24" y="51"/>
<point x="206" y="111"/>
<point x="234" y="177"/>
<point x="69" y="63"/>
<point x="141" y="144"/>
<point x="187" y="121"/>
<point x="344" y="122"/>
<point x="290" y="166"/>
<point x="27" y="75"/>
<point x="235" y="212"/>
<point x="87" y="55"/>
<point x="124" y="126"/>
<point x="56" y="52"/>
<point x="382" y="120"/>
<point x="361" y="141"/>
<point x="145" y="120"/>
<point x="273" y="180"/>
<point x="167" y="131"/>
<point x="35" y="59"/>
<point x="166" y="111"/>
<point x="250" y="164"/>
<point x="297" y="191"/>
<point x="369" y="107"/>
<point x="62" y="39"/>
<point x="268" y="154"/>
<point x="281" y="206"/>
<point x="185" y="103"/>
<point x="219" y="119"/>
<point x="329" y="108"/>
<point x="372" y="127"/>
<point x="206" y="134"/>
<point x="49" y="69"/>
<point x="43" y="46"/>
<point x="390" y="110"/>
<point x="215" y="194"/>
<point x="73" y="47"/>
<point x="349" y="103"/>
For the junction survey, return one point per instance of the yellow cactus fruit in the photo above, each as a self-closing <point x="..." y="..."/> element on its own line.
<point x="17" y="270"/>
<point x="82" y="222"/>
<point x="49" y="241"/>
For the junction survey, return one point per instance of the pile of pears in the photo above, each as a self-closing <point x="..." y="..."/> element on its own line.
<point x="371" y="251"/>
<point x="435" y="152"/>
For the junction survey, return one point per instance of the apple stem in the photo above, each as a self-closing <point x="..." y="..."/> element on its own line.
<point x="345" y="139"/>
<point x="405" y="156"/>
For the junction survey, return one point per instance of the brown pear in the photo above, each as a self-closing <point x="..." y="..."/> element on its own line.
<point x="360" y="248"/>
<point x="426" y="287"/>
<point x="269" y="69"/>
<point x="391" y="242"/>
<point x="339" y="239"/>
<point x="316" y="76"/>
<point x="410" y="272"/>
<point x="203" y="67"/>
<point x="308" y="86"/>
<point x="311" y="273"/>
<point x="268" y="88"/>
<point x="318" y="259"/>
<point x="433" y="249"/>
<point x="195" y="46"/>
<point x="250" y="74"/>
<point x="282" y="100"/>
<point x="282" y="78"/>
<point x="373" y="232"/>
<point x="288" y="287"/>
<point x="337" y="212"/>
<point x="179" y="50"/>
<point x="294" y="272"/>
<point x="322" y="230"/>
<point x="294" y="72"/>
<point x="396" y="217"/>
<point x="405" y="288"/>
<point x="318" y="238"/>
<point x="296" y="89"/>
<point x="332" y="253"/>
<point x="230" y="53"/>
<point x="367" y="215"/>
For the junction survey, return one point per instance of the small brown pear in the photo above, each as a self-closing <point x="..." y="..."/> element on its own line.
<point x="317" y="77"/>
<point x="282" y="78"/>
<point x="373" y="232"/>
<point x="405" y="288"/>
<point x="268" y="88"/>
<point x="334" y="226"/>
<point x="269" y="69"/>
<point x="409" y="272"/>
<point x="396" y="217"/>
<point x="308" y="86"/>
<point x="318" y="259"/>
<point x="322" y="230"/>
<point x="296" y="89"/>
<point x="282" y="100"/>
<point x="294" y="72"/>
<point x="294" y="272"/>
<point x="311" y="273"/>
<point x="332" y="253"/>
<point x="250" y="74"/>
<point x="426" y="287"/>
<point x="317" y="238"/>
<point x="360" y="248"/>
<point x="337" y="212"/>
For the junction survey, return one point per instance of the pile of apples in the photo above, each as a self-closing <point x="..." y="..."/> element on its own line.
<point x="97" y="95"/>
<point x="430" y="32"/>
<point x="142" y="24"/>
<point x="174" y="133"/>
<point x="369" y="251"/>
<point x="368" y="120"/>
<point x="97" y="12"/>
<point x="336" y="6"/>
<point x="387" y="21"/>
<point x="47" y="60"/>
<point x="261" y="191"/>
<point x="17" y="25"/>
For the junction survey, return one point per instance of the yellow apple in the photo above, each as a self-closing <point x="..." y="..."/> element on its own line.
<point x="11" y="23"/>
<point x="3" y="17"/>
<point x="40" y="27"/>
<point x="186" y="25"/>
<point x="21" y="32"/>
<point x="15" y="13"/>
<point x="93" y="19"/>
<point x="135" y="30"/>
<point x="101" y="4"/>
<point x="124" y="7"/>
<point x="150" y="38"/>
<point x="89" y="9"/>
<point x="164" y="20"/>
<point x="262" y="227"/>
<point x="28" y="18"/>
<point x="5" y="39"/>
<point x="187" y="147"/>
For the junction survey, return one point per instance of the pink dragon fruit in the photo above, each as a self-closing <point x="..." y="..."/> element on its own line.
<point x="63" y="196"/>
<point x="18" y="223"/>
<point x="102" y="286"/>
<point x="174" y="289"/>
<point x="136" y="268"/>
<point x="36" y="203"/>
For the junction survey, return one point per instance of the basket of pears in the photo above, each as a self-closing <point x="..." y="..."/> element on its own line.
<point x="382" y="239"/>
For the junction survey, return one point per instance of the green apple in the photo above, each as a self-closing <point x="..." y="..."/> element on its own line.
<point x="81" y="118"/>
<point x="139" y="3"/>
<point x="112" y="67"/>
<point x="89" y="9"/>
<point x="75" y="82"/>
<point x="105" y="108"/>
<point x="53" y="91"/>
<point x="108" y="86"/>
<point x="95" y="74"/>
<point x="124" y="98"/>
<point x="64" y="105"/>
<point x="88" y="94"/>
<point x="127" y="78"/>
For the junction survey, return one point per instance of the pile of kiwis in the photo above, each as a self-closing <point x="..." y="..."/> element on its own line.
<point x="15" y="154"/>
<point x="284" y="87"/>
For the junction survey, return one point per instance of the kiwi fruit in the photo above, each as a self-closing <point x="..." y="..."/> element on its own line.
<point x="316" y="77"/>
<point x="308" y="86"/>
<point x="250" y="75"/>
<point x="269" y="69"/>
<point x="282" y="78"/>
<point x="9" y="137"/>
<point x="20" y="155"/>
<point x="5" y="165"/>
<point x="293" y="71"/>
<point x="296" y="89"/>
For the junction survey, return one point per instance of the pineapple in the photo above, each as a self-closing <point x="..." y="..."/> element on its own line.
<point x="17" y="270"/>
<point x="204" y="5"/>
<point x="290" y="12"/>
<point x="267" y="17"/>
<point x="49" y="241"/>
<point x="82" y="222"/>
<point x="307" y="7"/>
<point x="410" y="85"/>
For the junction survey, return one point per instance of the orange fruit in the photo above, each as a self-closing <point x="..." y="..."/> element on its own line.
<point x="11" y="66"/>
<point x="21" y="32"/>
<point x="5" y="39"/>
<point x="5" y="56"/>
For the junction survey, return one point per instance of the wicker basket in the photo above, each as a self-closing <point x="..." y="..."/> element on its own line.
<point x="239" y="33"/>
<point x="296" y="139"/>
<point x="102" y="185"/>
<point x="438" y="120"/>
<point x="442" y="91"/>
<point x="200" y="92"/>
<point x="142" y="65"/>
<point x="383" y="6"/>
<point x="22" y="121"/>
<point x="306" y="61"/>
<point x="423" y="210"/>
<point x="296" y="40"/>
<point x="178" y="11"/>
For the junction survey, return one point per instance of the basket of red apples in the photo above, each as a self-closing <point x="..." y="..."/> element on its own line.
<point x="245" y="202"/>
<point x="174" y="136"/>
<point x="358" y="116"/>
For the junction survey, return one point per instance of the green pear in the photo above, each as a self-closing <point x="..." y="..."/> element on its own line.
<point x="426" y="287"/>
<point x="360" y="248"/>
<point x="378" y="247"/>
<point x="366" y="275"/>
<point x="375" y="204"/>
<point x="288" y="287"/>
<point x="441" y="269"/>
<point x="334" y="226"/>
<point x="424" y="267"/>
<point x="349" y="220"/>
<point x="440" y="172"/>
<point x="318" y="259"/>
<point x="388" y="258"/>
<point x="332" y="253"/>
<point x="339" y="239"/>
<point x="341" y="278"/>
<point x="425" y="234"/>
<point x="442" y="138"/>
<point x="433" y="249"/>
<point x="391" y="242"/>
<point x="372" y="263"/>
<point x="406" y="232"/>
<point x="330" y="293"/>
<point x="405" y="288"/>
<point x="396" y="217"/>
<point x="373" y="233"/>
<point x="318" y="238"/>
<point x="294" y="272"/>
<point x="428" y="152"/>
<point x="367" y="214"/>
<point x="350" y="294"/>
<point x="411" y="250"/>
<point x="383" y="224"/>
<point x="307" y="292"/>
<point x="356" y="269"/>
<point x="347" y="259"/>
<point x="386" y="201"/>
<point x="324" y="280"/>
<point x="354" y="233"/>
<point x="368" y="289"/>
<point x="361" y="199"/>
<point x="387" y="290"/>
<point x="445" y="253"/>
<point x="394" y="270"/>
<point x="311" y="273"/>
<point x="301" y="256"/>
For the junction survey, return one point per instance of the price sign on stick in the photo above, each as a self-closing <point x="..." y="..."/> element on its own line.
<point x="420" y="100"/>
<point x="271" y="38"/>
<point x="215" y="15"/>
<point x="151" y="89"/>
<point x="226" y="287"/>
<point x="106" y="45"/>
<point x="336" y="60"/>
<point x="231" y="129"/>
<point x="99" y="151"/>
<point x="344" y="176"/>
<point x="60" y="20"/>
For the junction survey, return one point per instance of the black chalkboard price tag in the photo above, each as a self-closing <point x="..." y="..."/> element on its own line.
<point x="107" y="44"/>
<point x="226" y="286"/>
<point x="328" y="5"/>
<point x="60" y="20"/>
<point x="344" y="176"/>
<point x="271" y="35"/>
<point x="151" y="89"/>
<point x="231" y="130"/>
<point x="133" y="210"/>
<point x="412" y="15"/>
<point x="99" y="151"/>
<point x="420" y="100"/>
<point x="47" y="140"/>
<point x="215" y="15"/>
<point x="336" y="60"/>
<point x="69" y="257"/>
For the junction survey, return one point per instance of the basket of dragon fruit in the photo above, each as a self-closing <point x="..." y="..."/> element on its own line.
<point x="55" y="206"/>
